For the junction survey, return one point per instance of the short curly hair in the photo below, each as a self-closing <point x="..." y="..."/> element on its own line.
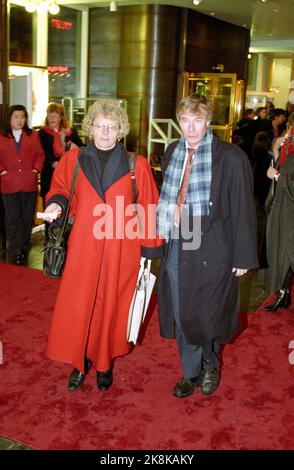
<point x="111" y="109"/>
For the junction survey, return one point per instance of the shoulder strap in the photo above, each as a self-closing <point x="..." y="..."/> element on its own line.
<point x="132" y="165"/>
<point x="73" y="183"/>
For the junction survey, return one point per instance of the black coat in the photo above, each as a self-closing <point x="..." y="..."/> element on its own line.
<point x="208" y="290"/>
<point x="280" y="228"/>
<point x="47" y="144"/>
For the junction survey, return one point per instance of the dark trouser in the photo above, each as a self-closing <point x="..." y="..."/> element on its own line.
<point x="19" y="211"/>
<point x="192" y="356"/>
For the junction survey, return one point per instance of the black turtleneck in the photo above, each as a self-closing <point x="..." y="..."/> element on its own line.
<point x="103" y="156"/>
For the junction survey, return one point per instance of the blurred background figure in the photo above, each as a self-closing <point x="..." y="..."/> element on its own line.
<point x="269" y="107"/>
<point x="56" y="138"/>
<point x="275" y="124"/>
<point x="261" y="160"/>
<point x="21" y="159"/>
<point x="247" y="117"/>
<point x="248" y="132"/>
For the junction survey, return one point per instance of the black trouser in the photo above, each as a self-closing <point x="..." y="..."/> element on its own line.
<point x="19" y="211"/>
<point x="192" y="356"/>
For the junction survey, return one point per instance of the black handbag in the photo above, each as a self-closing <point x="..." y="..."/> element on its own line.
<point x="55" y="246"/>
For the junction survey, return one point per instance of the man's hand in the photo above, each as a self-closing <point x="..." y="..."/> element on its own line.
<point x="239" y="272"/>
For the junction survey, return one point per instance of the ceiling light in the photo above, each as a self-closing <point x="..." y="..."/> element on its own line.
<point x="196" y="2"/>
<point x="42" y="6"/>
<point x="113" y="6"/>
<point x="263" y="1"/>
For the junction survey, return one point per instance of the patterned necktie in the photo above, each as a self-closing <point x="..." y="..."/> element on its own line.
<point x="182" y="195"/>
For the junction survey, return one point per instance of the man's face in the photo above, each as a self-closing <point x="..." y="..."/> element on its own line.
<point x="193" y="126"/>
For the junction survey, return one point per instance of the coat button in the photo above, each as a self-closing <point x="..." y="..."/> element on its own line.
<point x="19" y="170"/>
<point x="204" y="263"/>
<point x="210" y="203"/>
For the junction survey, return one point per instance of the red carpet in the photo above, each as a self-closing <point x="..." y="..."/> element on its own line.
<point x="253" y="407"/>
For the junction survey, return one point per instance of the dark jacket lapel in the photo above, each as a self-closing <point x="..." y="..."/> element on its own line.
<point x="116" y="167"/>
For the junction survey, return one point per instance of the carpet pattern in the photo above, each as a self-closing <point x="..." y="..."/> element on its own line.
<point x="253" y="408"/>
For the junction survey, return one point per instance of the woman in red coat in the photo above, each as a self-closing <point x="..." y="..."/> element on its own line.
<point x="21" y="159"/>
<point x="56" y="138"/>
<point x="89" y="323"/>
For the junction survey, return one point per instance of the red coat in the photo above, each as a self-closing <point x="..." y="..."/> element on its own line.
<point x="91" y="312"/>
<point x="20" y="164"/>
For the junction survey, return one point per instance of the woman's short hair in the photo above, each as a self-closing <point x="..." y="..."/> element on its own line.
<point x="59" y="109"/>
<point x="196" y="104"/>
<point x="110" y="109"/>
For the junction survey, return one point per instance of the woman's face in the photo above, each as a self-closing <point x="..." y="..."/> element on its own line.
<point x="54" y="120"/>
<point x="105" y="132"/>
<point x="17" y="120"/>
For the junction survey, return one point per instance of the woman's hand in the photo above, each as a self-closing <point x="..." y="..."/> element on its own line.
<point x="52" y="212"/>
<point x="272" y="173"/>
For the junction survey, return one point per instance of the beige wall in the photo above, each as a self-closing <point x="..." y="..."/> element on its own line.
<point x="280" y="78"/>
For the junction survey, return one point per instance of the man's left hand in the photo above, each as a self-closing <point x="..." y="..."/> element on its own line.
<point x="239" y="272"/>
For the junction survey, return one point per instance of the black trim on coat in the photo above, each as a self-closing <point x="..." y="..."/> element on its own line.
<point x="152" y="253"/>
<point x="116" y="168"/>
<point x="63" y="202"/>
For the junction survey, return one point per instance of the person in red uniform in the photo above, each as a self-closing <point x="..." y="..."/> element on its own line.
<point x="21" y="159"/>
<point x="56" y="138"/>
<point x="89" y="324"/>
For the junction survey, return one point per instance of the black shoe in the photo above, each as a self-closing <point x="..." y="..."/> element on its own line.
<point x="77" y="378"/>
<point x="282" y="301"/>
<point x="104" y="380"/>
<point x="185" y="387"/>
<point x="210" y="378"/>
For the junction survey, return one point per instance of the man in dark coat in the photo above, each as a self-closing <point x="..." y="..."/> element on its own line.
<point x="206" y="215"/>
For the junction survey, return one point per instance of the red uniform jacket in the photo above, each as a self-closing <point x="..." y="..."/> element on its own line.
<point x="20" y="164"/>
<point x="91" y="311"/>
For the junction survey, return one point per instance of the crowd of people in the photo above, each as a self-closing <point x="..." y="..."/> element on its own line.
<point x="223" y="209"/>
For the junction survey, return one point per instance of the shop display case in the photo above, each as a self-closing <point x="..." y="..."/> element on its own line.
<point x="29" y="86"/>
<point x="257" y="99"/>
<point x="226" y="95"/>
